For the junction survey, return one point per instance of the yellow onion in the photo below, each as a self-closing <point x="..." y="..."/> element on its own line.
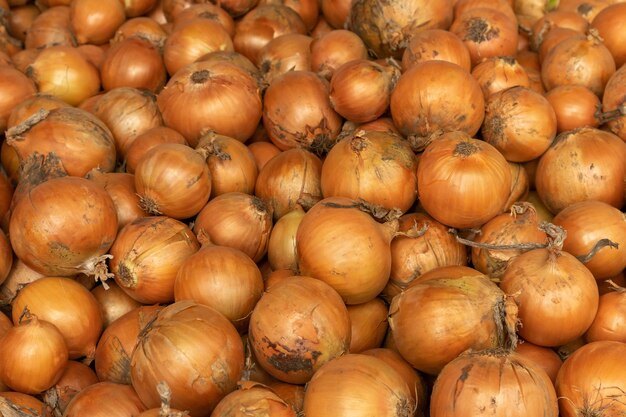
<point x="436" y="319"/>
<point x="51" y="27"/>
<point x="252" y="398"/>
<point x="357" y="384"/>
<point x="500" y="73"/>
<point x="607" y="325"/>
<point x="113" y="302"/>
<point x="520" y="184"/>
<point x="27" y="405"/>
<point x="147" y="254"/>
<point x="173" y="180"/>
<point x="575" y="106"/>
<point x="209" y="11"/>
<point x="165" y="393"/>
<point x="148" y="140"/>
<point x="436" y="44"/>
<point x="297" y="326"/>
<point x="613" y="101"/>
<point x="76" y="376"/>
<point x="368" y="322"/>
<point x="281" y="250"/>
<point x="545" y="357"/>
<point x="19" y="276"/>
<point x="105" y="399"/>
<point x="67" y="305"/>
<point x="95" y="21"/>
<point x="308" y="10"/>
<point x="223" y="278"/>
<point x="608" y="24"/>
<point x="79" y="139"/>
<point x="16" y="88"/>
<point x="509" y="384"/>
<point x="344" y="246"/>
<point x="552" y="20"/>
<point x="202" y="344"/>
<point x="237" y="220"/>
<point x="292" y="394"/>
<point x="34" y="355"/>
<point x="289" y="52"/>
<point x="116" y="345"/>
<point x="292" y="177"/>
<point x="335" y="48"/>
<point x="142" y="27"/>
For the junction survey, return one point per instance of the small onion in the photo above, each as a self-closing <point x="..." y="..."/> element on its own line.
<point x="208" y="11"/>
<point x="148" y="140"/>
<point x="236" y="220"/>
<point x="34" y="355"/>
<point x="67" y="305"/>
<point x="436" y="44"/>
<point x="575" y="106"/>
<point x="369" y="325"/>
<point x="499" y="73"/>
<point x="545" y="357"/>
<point x="51" y="27"/>
<point x="94" y="54"/>
<point x="141" y="27"/>
<point x="113" y="302"/>
<point x="357" y="384"/>
<point x="105" y="399"/>
<point x="297" y="326"/>
<point x="16" y="88"/>
<point x="147" y="254"/>
<point x="290" y="52"/>
<point x="263" y="152"/>
<point x="335" y="48"/>
<point x="608" y="323"/>
<point x="75" y="377"/>
<point x="281" y="250"/>
<point x="95" y="21"/>
<point x="556" y="19"/>
<point x="20" y="19"/>
<point x="308" y="10"/>
<point x="252" y="398"/>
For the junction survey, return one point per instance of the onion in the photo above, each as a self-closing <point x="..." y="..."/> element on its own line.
<point x="237" y="8"/>
<point x="148" y="140"/>
<point x="30" y="106"/>
<point x="138" y="7"/>
<point x="19" y="276"/>
<point x="278" y="275"/>
<point x="371" y="21"/>
<point x="369" y="325"/>
<point x="21" y="60"/>
<point x="237" y="59"/>
<point x="263" y="152"/>
<point x="436" y="97"/>
<point x="322" y="27"/>
<point x="6" y="196"/>
<point x="67" y="305"/>
<point x="479" y="170"/>
<point x="147" y="254"/>
<point x="360" y="90"/>
<point x="113" y="302"/>
<point x="308" y="10"/>
<point x="588" y="9"/>
<point x="202" y="343"/>
<point x="588" y="222"/>
<point x="357" y="384"/>
<point x="20" y="19"/>
<point x="80" y="140"/>
<point x="297" y="112"/>
<point x="253" y="398"/>
<point x="121" y="188"/>
<point x="118" y="341"/>
<point x="487" y="33"/>
<point x="95" y="21"/>
<point x="290" y="52"/>
<point x="499" y="73"/>
<point x="556" y="294"/>
<point x="15" y="87"/>
<point x="519" y="123"/>
<point x="281" y="250"/>
<point x="336" y="12"/>
<point x="192" y="40"/>
<point x="608" y="285"/>
<point x="89" y="104"/>
<point x="578" y="60"/>
<point x="508" y="383"/>
<point x="145" y="70"/>
<point x="105" y="399"/>
<point x="591" y="380"/>
<point x="608" y="23"/>
<point x="171" y="8"/>
<point x="173" y="180"/>
<point x="27" y="405"/>
<point x="297" y="326"/>
<point x="215" y="96"/>
<point x="223" y="278"/>
<point x="94" y="54"/>
<point x="344" y="246"/>
<point x="292" y="394"/>
<point x="51" y="27"/>
<point x="438" y="317"/>
<point x="335" y="48"/>
<point x="436" y="44"/>
<point x="75" y="377"/>
<point x="63" y="72"/>
<point x="613" y="101"/>
<point x="376" y="167"/>
<point x="545" y="357"/>
<point x="141" y="27"/>
<point x="555" y="37"/>
<point x="231" y="164"/>
<point x="608" y="323"/>
<point x="504" y="7"/>
<point x="520" y="184"/>
<point x="208" y="11"/>
<point x="583" y="164"/>
<point x="252" y="370"/>
<point x="529" y="60"/>
<point x="556" y="19"/>
<point x="236" y="220"/>
<point x="34" y="355"/>
<point x="575" y="106"/>
<point x="262" y="24"/>
<point x="127" y="112"/>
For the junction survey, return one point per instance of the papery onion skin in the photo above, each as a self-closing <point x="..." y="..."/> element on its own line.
<point x="289" y="52"/>
<point x="76" y="377"/>
<point x="142" y="27"/>
<point x="613" y="99"/>
<point x="335" y="48"/>
<point x="309" y="10"/>
<point x="499" y="73"/>
<point x="19" y="276"/>
<point x="436" y="44"/>
<point x="610" y="318"/>
<point x="281" y="250"/>
<point x="253" y="398"/>
<point x="608" y="23"/>
<point x="208" y="11"/>
<point x="51" y="27"/>
<point x="105" y="399"/>
<point x="113" y="302"/>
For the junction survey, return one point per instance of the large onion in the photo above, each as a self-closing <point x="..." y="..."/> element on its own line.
<point x="335" y="48"/>
<point x="95" y="21"/>
<point x="608" y="23"/>
<point x="105" y="399"/>
<point x="51" y="27"/>
<point x="436" y="44"/>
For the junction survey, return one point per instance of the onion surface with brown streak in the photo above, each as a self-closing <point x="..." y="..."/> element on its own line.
<point x="436" y="44"/>
<point x="289" y="52"/>
<point x="207" y="11"/>
<point x="253" y="398"/>
<point x="308" y="10"/>
<point x="141" y="27"/>
<point x="500" y="73"/>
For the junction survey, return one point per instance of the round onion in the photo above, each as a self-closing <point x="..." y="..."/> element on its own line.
<point x="67" y="305"/>
<point x="236" y="220"/>
<point x="556" y="19"/>
<point x="148" y="140"/>
<point x="223" y="278"/>
<point x="588" y="9"/>
<point x="608" y="23"/>
<point x="27" y="405"/>
<point x="208" y="11"/>
<point x="141" y="27"/>
<point x="608" y="323"/>
<point x="613" y="101"/>
<point x="147" y="254"/>
<point x="575" y="106"/>
<point x="51" y="27"/>
<point x="436" y="44"/>
<point x="290" y="52"/>
<point x="436" y="97"/>
<point x="308" y="10"/>
<point x="344" y="246"/>
<point x="545" y="357"/>
<point x="263" y="152"/>
<point x="113" y="302"/>
<point x="292" y="394"/>
<point x="281" y="250"/>
<point x="75" y="377"/>
<point x="253" y="398"/>
<point x="202" y="343"/>
<point x="95" y="21"/>
<point x="368" y="322"/>
<point x="335" y="48"/>
<point x="105" y="399"/>
<point x="499" y="73"/>
<point x="555" y="37"/>
<point x="16" y="88"/>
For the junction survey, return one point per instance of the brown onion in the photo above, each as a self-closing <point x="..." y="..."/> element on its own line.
<point x="105" y="399"/>
<point x="237" y="220"/>
<point x="608" y="323"/>
<point x="575" y="106"/>
<point x="263" y="152"/>
<point x="520" y="184"/>
<point x="95" y="21"/>
<point x="19" y="276"/>
<point x="336" y="12"/>
<point x="335" y="48"/>
<point x="297" y="326"/>
<point x="75" y="377"/>
<point x="51" y="27"/>
<point x="34" y="355"/>
<point x="297" y="112"/>
<point x="237" y="59"/>
<point x="116" y="345"/>
<point x="237" y="8"/>
<point x="588" y="222"/>
<point x="113" y="302"/>
<point x="436" y="44"/>
<point x="290" y="52"/>
<point x="499" y="73"/>
<point x="281" y="250"/>
<point x="556" y="19"/>
<point x="94" y="54"/>
<point x="608" y="23"/>
<point x="375" y="167"/>
<point x="613" y="101"/>
<point x="141" y="27"/>
<point x="15" y="87"/>
<point x="6" y="196"/>
<point x="369" y="325"/>
<point x="207" y="11"/>
<point x="292" y="394"/>
<point x="344" y="246"/>
<point x="20" y="19"/>
<point x="138" y="7"/>
<point x="588" y="9"/>
<point x="545" y="357"/>
<point x="217" y="96"/>
<point x="67" y="305"/>
<point x="436" y="97"/>
<point x="23" y="59"/>
<point x="252" y="398"/>
<point x="202" y="343"/>
<point x="147" y="254"/>
<point x="148" y="140"/>
<point x="555" y="37"/>
<point x="308" y="10"/>
<point x="231" y="164"/>
<point x="79" y="139"/>
<point x="223" y="278"/>
<point x="582" y="164"/>
<point x="133" y="62"/>
<point x="173" y="180"/>
<point x="27" y="405"/>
